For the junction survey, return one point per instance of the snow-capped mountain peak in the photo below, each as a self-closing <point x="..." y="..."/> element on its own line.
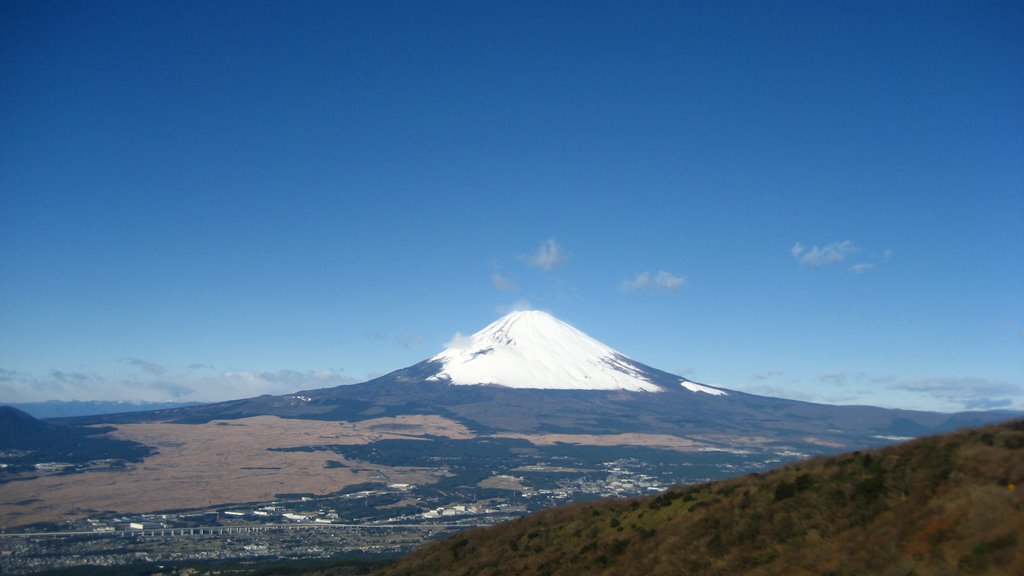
<point x="533" y="349"/>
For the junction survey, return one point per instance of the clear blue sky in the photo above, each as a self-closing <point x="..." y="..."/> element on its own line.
<point x="212" y="200"/>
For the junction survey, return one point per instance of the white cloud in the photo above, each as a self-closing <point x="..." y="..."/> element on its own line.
<point x="668" y="282"/>
<point x="836" y="253"/>
<point x="661" y="280"/>
<point x="833" y="253"/>
<point x="502" y="283"/>
<point x="458" y="341"/>
<point x="548" y="256"/>
<point x="796" y="250"/>
<point x="244" y="384"/>
<point x="641" y="281"/>
<point x="517" y="306"/>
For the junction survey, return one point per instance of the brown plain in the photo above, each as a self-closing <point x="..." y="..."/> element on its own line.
<point x="235" y="461"/>
<point x="227" y="461"/>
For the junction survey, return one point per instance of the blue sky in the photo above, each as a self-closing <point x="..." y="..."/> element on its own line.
<point x="212" y="200"/>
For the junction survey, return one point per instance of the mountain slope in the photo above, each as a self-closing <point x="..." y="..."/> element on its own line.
<point x="940" y="505"/>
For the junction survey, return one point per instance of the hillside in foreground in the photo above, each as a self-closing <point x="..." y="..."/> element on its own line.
<point x="950" y="504"/>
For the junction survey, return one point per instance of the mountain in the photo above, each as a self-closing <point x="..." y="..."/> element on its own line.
<point x="951" y="504"/>
<point x="26" y="441"/>
<point x="532" y="349"/>
<point x="530" y="373"/>
<point x="72" y="408"/>
<point x="18" y="428"/>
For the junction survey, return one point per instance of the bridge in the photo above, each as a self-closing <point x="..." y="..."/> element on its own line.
<point x="199" y="531"/>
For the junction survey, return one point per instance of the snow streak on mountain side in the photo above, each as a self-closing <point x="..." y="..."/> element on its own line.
<point x="532" y="349"/>
<point x="694" y="387"/>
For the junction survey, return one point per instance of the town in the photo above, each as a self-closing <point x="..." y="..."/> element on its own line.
<point x="373" y="520"/>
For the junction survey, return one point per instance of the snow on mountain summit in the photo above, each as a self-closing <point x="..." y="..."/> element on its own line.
<point x="533" y="349"/>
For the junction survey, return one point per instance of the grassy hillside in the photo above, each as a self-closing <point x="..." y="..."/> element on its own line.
<point x="951" y="504"/>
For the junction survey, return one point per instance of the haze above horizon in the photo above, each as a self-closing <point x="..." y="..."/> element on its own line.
<point x="211" y="200"/>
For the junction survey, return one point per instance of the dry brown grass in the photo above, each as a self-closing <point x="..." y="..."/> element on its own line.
<point x="230" y="461"/>
<point x="628" y="439"/>
<point x="220" y="462"/>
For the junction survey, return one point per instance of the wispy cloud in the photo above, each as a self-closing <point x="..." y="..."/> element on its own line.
<point x="74" y="378"/>
<point x="548" y="256"/>
<point x="776" y="391"/>
<point x="517" y="306"/>
<point x="168" y="386"/>
<point x="843" y="378"/>
<point x="661" y="280"/>
<point x="147" y="367"/>
<point x="502" y="283"/>
<point x="945" y="393"/>
<point x="669" y="282"/>
<point x="854" y="378"/>
<point x="408" y="340"/>
<point x="837" y="253"/>
<point x="59" y="384"/>
<point x="642" y="281"/>
<point x="458" y="341"/>
<point x="18" y="386"/>
<point x="411" y="340"/>
<point x="173" y="389"/>
<point x="834" y="253"/>
<point x="970" y="392"/>
<point x="290" y="380"/>
<point x="860" y="267"/>
<point x="245" y="384"/>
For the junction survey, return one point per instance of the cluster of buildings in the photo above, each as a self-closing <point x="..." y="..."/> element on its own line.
<point x="383" y="518"/>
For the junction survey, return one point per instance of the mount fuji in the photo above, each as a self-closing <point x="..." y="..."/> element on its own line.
<point x="530" y="373"/>
<point x="533" y="349"/>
